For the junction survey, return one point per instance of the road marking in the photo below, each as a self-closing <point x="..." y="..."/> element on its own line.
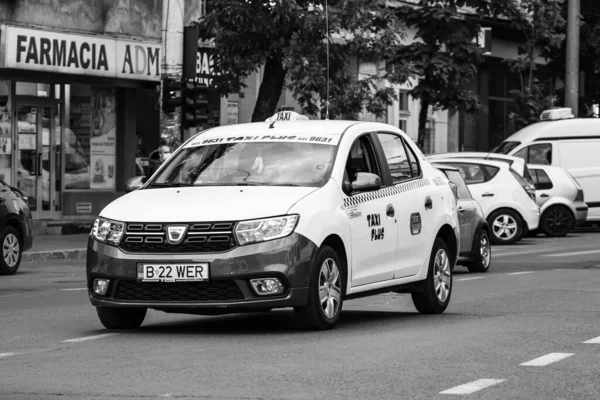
<point x="547" y="359"/>
<point x="520" y="273"/>
<point x="4" y="355"/>
<point x="470" y="279"/>
<point x="472" y="387"/>
<point x="518" y="253"/>
<point x="73" y="289"/>
<point x="85" y="338"/>
<point x="593" y="341"/>
<point x="573" y="253"/>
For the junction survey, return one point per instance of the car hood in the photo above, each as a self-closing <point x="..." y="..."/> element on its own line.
<point x="209" y="203"/>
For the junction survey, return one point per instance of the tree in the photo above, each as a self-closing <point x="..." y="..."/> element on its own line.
<point x="444" y="55"/>
<point x="288" y="38"/>
<point x="543" y="24"/>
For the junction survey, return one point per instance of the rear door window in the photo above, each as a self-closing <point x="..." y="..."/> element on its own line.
<point x="541" y="180"/>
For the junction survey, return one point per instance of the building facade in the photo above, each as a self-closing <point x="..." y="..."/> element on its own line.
<point x="78" y="99"/>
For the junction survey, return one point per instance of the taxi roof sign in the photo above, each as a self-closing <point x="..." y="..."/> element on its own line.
<point x="287" y="116"/>
<point x="556" y="114"/>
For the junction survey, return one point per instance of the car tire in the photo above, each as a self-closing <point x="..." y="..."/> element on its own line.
<point x="326" y="292"/>
<point x="482" y="252"/>
<point x="438" y="284"/>
<point x="12" y="251"/>
<point x="557" y="221"/>
<point x="506" y="226"/>
<point x="121" y="317"/>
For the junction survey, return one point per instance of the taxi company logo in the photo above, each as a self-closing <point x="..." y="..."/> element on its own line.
<point x="176" y="233"/>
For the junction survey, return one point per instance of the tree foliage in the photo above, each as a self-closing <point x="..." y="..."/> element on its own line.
<point x="444" y="56"/>
<point x="543" y="24"/>
<point x="288" y="39"/>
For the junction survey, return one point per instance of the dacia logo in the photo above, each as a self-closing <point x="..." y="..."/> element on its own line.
<point x="176" y="233"/>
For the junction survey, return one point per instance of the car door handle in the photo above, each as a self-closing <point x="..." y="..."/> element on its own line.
<point x="487" y="194"/>
<point x="428" y="203"/>
<point x="390" y="212"/>
<point x="461" y="210"/>
<point x="544" y="195"/>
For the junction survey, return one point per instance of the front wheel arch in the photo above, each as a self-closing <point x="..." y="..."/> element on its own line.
<point x="337" y="244"/>
<point x="447" y="234"/>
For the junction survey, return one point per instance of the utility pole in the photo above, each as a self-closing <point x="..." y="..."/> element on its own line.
<point x="572" y="67"/>
<point x="172" y="68"/>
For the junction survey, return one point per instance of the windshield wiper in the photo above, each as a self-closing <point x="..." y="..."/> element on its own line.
<point x="168" y="184"/>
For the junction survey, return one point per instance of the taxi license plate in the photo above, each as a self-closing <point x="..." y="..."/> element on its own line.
<point x="192" y="272"/>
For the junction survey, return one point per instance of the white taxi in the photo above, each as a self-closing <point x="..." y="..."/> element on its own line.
<point x="284" y="213"/>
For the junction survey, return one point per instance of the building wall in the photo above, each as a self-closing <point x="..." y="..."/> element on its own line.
<point x="126" y="17"/>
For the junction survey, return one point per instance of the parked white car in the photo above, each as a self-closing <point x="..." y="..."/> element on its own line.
<point x="507" y="200"/>
<point x="559" y="139"/>
<point x="561" y="200"/>
<point x="517" y="164"/>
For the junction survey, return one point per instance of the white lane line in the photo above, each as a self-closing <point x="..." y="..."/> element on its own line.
<point x="593" y="341"/>
<point x="73" y="289"/>
<point x="86" y="338"/>
<point x="4" y="355"/>
<point x="470" y="279"/>
<point x="547" y="359"/>
<point x="472" y="387"/>
<point x="520" y="273"/>
<point x="573" y="253"/>
<point x="516" y="253"/>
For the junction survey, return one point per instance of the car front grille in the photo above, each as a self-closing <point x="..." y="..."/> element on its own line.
<point x="205" y="237"/>
<point x="217" y="290"/>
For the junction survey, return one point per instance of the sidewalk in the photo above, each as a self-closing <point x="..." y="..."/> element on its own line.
<point x="57" y="247"/>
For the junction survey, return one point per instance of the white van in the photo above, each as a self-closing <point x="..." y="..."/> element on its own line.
<point x="559" y="139"/>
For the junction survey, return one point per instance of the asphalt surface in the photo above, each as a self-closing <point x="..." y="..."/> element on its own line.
<point x="538" y="304"/>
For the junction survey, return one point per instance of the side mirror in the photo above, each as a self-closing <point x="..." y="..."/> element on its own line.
<point x="365" y="182"/>
<point x="135" y="183"/>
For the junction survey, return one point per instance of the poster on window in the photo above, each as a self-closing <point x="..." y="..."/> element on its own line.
<point x="103" y="139"/>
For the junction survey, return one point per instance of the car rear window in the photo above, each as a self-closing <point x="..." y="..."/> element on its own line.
<point x="462" y="189"/>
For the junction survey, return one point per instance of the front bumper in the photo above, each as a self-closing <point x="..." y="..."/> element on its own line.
<point x="228" y="289"/>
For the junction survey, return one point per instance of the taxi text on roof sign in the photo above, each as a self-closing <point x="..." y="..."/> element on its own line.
<point x="205" y="140"/>
<point x="287" y="116"/>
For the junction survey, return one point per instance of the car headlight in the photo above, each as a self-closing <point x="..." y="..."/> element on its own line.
<point x="108" y="231"/>
<point x="261" y="230"/>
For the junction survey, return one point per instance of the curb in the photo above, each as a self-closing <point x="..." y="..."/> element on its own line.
<point x="71" y="254"/>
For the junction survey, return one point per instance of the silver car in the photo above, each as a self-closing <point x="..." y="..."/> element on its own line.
<point x="475" y="249"/>
<point x="561" y="200"/>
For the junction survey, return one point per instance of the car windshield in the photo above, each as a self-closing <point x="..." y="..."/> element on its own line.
<point x="249" y="163"/>
<point x="505" y="147"/>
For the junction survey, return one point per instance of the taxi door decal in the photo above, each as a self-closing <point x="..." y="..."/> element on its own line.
<point x="385" y="192"/>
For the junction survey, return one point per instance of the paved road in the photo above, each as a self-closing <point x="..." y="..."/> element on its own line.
<point x="539" y="304"/>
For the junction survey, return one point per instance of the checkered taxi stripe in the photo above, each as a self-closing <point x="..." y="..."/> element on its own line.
<point x="385" y="192"/>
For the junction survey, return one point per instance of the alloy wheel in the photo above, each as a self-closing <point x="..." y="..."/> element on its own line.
<point x="10" y="250"/>
<point x="330" y="291"/>
<point x="441" y="275"/>
<point x="485" y="250"/>
<point x="505" y="227"/>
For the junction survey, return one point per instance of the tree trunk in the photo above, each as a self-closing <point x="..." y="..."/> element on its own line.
<point x="423" y="123"/>
<point x="270" y="88"/>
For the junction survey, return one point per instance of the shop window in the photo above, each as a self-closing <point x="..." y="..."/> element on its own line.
<point x="5" y="133"/>
<point x="34" y="89"/>
<point x="90" y="138"/>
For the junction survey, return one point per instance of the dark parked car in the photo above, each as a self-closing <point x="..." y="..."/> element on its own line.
<point x="475" y="249"/>
<point x="16" y="233"/>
